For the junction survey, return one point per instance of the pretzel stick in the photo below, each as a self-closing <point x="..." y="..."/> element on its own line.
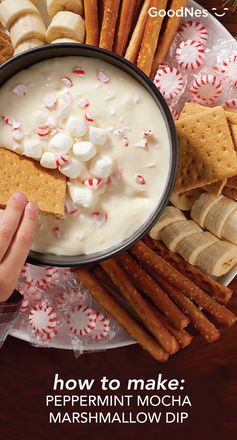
<point x="147" y="285"/>
<point x="111" y="10"/>
<point x="178" y="280"/>
<point x="124" y="26"/>
<point x="150" y="38"/>
<point x="140" y="306"/>
<point x="168" y="35"/>
<point x="91" y="22"/>
<point x="136" y="39"/>
<point x="120" y="314"/>
<point x="200" y="322"/>
<point x="216" y="290"/>
<point x="182" y="336"/>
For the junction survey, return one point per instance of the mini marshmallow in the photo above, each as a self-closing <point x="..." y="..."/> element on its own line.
<point x="61" y="143"/>
<point x="33" y="148"/>
<point x="97" y="135"/>
<point x="72" y="169"/>
<point x="48" y="160"/>
<point x="77" y="126"/>
<point x="81" y="196"/>
<point x="84" y="150"/>
<point x="101" y="167"/>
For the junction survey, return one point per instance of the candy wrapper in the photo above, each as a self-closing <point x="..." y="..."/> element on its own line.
<point x="200" y="68"/>
<point x="58" y="312"/>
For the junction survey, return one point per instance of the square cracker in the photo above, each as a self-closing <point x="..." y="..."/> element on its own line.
<point x="206" y="150"/>
<point x="46" y="188"/>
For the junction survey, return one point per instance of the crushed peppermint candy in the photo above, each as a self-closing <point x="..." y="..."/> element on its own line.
<point x="71" y="208"/>
<point x="17" y="134"/>
<point x="100" y="218"/>
<point x="89" y="117"/>
<point x="67" y="81"/>
<point x="142" y="143"/>
<point x="62" y="160"/>
<point x="43" y="131"/>
<point x="50" y="101"/>
<point x="125" y="141"/>
<point x="140" y="179"/>
<point x="78" y="71"/>
<point x="83" y="103"/>
<point x="103" y="77"/>
<point x="92" y="182"/>
<point x="20" y="90"/>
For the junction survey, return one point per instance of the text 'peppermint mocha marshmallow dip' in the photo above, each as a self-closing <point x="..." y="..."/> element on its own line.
<point x="100" y="128"/>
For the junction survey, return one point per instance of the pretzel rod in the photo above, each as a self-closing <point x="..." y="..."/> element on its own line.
<point x="178" y="280"/>
<point x="216" y="290"/>
<point x="150" y="38"/>
<point x="171" y="28"/>
<point x="91" y="22"/>
<point x="120" y="314"/>
<point x="182" y="336"/>
<point x="140" y="306"/>
<point x="200" y="322"/>
<point x="124" y="26"/>
<point x="111" y="10"/>
<point x="147" y="285"/>
<point x="136" y="39"/>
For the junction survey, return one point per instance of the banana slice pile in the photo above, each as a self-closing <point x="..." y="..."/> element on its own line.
<point x="27" y="29"/>
<point x="24" y="23"/>
<point x="203" y="249"/>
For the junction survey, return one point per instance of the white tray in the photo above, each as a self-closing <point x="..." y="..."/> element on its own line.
<point x="122" y="339"/>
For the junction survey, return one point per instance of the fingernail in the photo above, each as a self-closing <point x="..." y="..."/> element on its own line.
<point x="19" y="196"/>
<point x="32" y="207"/>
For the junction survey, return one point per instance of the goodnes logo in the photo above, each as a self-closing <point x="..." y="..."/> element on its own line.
<point x="185" y="12"/>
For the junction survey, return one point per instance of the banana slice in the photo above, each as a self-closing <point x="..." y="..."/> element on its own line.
<point x="27" y="45"/>
<point x="26" y="28"/>
<point x="9" y="13"/>
<point x="64" y="40"/>
<point x="218" y="259"/>
<point x="55" y="6"/>
<point x="202" y="207"/>
<point x="218" y="216"/>
<point x="168" y="217"/>
<point x="185" y="200"/>
<point x="229" y="231"/>
<point x="190" y="247"/>
<point x="66" y="25"/>
<point x="173" y="234"/>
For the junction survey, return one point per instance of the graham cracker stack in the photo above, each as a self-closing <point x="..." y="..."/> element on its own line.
<point x="46" y="188"/>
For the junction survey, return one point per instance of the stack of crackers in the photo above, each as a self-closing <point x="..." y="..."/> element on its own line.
<point x="207" y="150"/>
<point x="6" y="48"/>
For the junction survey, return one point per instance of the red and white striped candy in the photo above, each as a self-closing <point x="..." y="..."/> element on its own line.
<point x="169" y="82"/>
<point x="229" y="68"/>
<point x="194" y="30"/>
<point x="190" y="54"/>
<point x="62" y="159"/>
<point x="103" y="77"/>
<point x="232" y="103"/>
<point x="206" y="89"/>
<point x="6" y="120"/>
<point x="147" y="132"/>
<point x="17" y="134"/>
<point x="92" y="182"/>
<point x="102" y="327"/>
<point x="81" y="320"/>
<point x="71" y="208"/>
<point x="50" y="101"/>
<point x="43" y="131"/>
<point x="48" y="277"/>
<point x="24" y="305"/>
<point x="76" y="295"/>
<point x="33" y="292"/>
<point x="174" y="113"/>
<point x="84" y="103"/>
<point x="43" y="321"/>
<point x="67" y="81"/>
<point x="89" y="117"/>
<point x="25" y="273"/>
<point x="78" y="71"/>
<point x="140" y="179"/>
<point x="125" y="141"/>
<point x="100" y="218"/>
<point x="20" y="90"/>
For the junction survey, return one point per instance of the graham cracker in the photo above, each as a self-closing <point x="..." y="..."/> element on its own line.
<point x="206" y="150"/>
<point x="216" y="187"/>
<point x="230" y="192"/>
<point x="46" y="188"/>
<point x="231" y="117"/>
<point x="233" y="130"/>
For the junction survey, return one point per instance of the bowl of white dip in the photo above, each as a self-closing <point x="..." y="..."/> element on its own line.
<point x="117" y="134"/>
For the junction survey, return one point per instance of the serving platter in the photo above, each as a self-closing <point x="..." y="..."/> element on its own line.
<point x="122" y="339"/>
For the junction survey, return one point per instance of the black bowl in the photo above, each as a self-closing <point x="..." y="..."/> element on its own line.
<point x="26" y="59"/>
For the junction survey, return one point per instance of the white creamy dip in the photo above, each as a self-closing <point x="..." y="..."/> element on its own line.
<point x="116" y="175"/>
